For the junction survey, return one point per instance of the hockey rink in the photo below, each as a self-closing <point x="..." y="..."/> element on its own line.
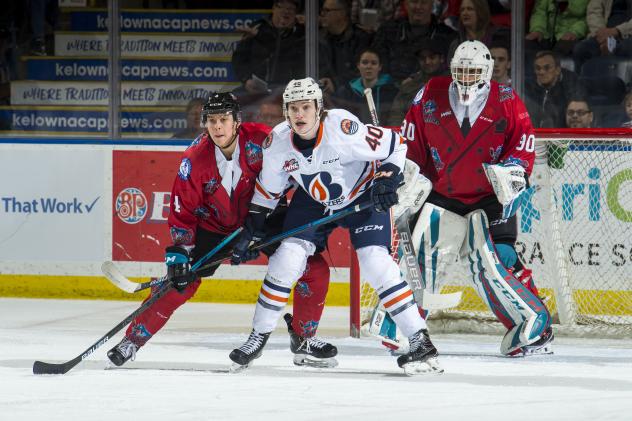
<point x="182" y="374"/>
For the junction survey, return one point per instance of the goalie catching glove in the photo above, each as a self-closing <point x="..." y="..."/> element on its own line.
<point x="253" y="233"/>
<point x="179" y="272"/>
<point x="509" y="181"/>
<point x="385" y="184"/>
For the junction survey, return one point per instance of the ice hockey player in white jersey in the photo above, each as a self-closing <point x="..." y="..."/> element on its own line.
<point x="337" y="162"/>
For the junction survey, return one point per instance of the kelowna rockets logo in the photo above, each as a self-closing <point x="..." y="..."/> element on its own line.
<point x="320" y="187"/>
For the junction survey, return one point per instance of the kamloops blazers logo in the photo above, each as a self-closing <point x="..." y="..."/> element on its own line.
<point x="131" y="205"/>
<point x="290" y="165"/>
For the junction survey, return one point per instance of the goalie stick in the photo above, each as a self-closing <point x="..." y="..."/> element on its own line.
<point x="114" y="275"/>
<point x="40" y="367"/>
<point x="424" y="298"/>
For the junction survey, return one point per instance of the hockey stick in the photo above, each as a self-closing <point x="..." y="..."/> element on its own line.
<point x="118" y="279"/>
<point x="114" y="275"/>
<point x="424" y="298"/>
<point x="40" y="367"/>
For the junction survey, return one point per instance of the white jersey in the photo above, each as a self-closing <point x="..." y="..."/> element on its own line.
<point x="342" y="164"/>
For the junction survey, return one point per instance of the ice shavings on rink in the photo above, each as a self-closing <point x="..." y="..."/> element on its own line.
<point x="182" y="374"/>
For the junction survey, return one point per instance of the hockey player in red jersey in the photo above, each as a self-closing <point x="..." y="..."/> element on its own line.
<point x="473" y="139"/>
<point x="209" y="200"/>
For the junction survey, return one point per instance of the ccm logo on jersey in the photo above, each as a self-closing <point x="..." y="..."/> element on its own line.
<point x="369" y="228"/>
<point x="290" y="165"/>
<point x="331" y="161"/>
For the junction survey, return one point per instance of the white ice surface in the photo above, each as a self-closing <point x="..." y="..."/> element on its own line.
<point x="182" y="374"/>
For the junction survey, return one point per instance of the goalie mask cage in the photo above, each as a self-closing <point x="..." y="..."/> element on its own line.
<point x="574" y="232"/>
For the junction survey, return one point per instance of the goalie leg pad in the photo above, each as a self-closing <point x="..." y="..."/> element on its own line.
<point x="395" y="293"/>
<point x="437" y="237"/>
<point x="286" y="266"/>
<point x="516" y="307"/>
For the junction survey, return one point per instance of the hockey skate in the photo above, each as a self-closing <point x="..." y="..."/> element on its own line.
<point x="310" y="352"/>
<point x="243" y="356"/>
<point x="542" y="346"/>
<point x="123" y="352"/>
<point x="422" y="357"/>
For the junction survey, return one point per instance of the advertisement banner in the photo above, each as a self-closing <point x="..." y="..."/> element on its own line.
<point x="215" y="46"/>
<point x="167" y="21"/>
<point x="81" y="120"/>
<point x="140" y="94"/>
<point x="63" y="69"/>
<point x="49" y="213"/>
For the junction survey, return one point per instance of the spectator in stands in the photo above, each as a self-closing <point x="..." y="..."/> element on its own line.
<point x="371" y="14"/>
<point x="343" y="40"/>
<point x="627" y="104"/>
<point x="397" y="41"/>
<point x="502" y="63"/>
<point x="42" y="11"/>
<point x="474" y="24"/>
<point x="271" y="112"/>
<point x="578" y="114"/>
<point x="432" y="62"/>
<point x="272" y="52"/>
<point x="193" y="115"/>
<point x="547" y="96"/>
<point x="610" y="31"/>
<point x="556" y="25"/>
<point x="622" y="117"/>
<point x="351" y="95"/>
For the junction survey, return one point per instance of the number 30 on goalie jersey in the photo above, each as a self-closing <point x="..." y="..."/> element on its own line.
<point x="341" y="167"/>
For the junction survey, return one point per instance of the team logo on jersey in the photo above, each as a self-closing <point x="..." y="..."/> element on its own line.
<point x="181" y="235"/>
<point x="417" y="98"/>
<point x="495" y="154"/>
<point x="290" y="165"/>
<point x="254" y="153"/>
<point x="185" y="169"/>
<point x="303" y="289"/>
<point x="436" y="158"/>
<point x="349" y="126"/>
<point x="429" y="108"/>
<point x="512" y="160"/>
<point x="446" y="114"/>
<point x="320" y="187"/>
<point x="211" y="186"/>
<point x="267" y="142"/>
<point x="504" y="93"/>
<point x="131" y="205"/>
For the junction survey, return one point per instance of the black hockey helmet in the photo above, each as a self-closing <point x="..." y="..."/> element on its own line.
<point x="221" y="103"/>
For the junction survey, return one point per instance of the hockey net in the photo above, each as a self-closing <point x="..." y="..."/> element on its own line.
<point x="574" y="232"/>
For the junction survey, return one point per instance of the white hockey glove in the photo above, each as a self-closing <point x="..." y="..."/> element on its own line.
<point x="413" y="193"/>
<point x="509" y="182"/>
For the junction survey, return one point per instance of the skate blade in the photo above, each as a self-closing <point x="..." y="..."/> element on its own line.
<point x="430" y="366"/>
<point x="306" y="361"/>
<point x="545" y="350"/>
<point x="238" y="368"/>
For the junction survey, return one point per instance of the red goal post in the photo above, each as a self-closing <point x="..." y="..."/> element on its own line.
<point x="575" y="232"/>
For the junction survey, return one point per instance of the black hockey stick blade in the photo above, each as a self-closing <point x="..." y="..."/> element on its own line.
<point x="40" y="367"/>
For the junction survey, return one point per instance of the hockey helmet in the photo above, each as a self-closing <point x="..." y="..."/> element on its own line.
<point x="471" y="67"/>
<point x="221" y="103"/>
<point x="301" y="90"/>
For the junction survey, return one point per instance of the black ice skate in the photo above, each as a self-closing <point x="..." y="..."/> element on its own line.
<point x="311" y="352"/>
<point x="542" y="346"/>
<point x="124" y="351"/>
<point x="244" y="355"/>
<point x="422" y="357"/>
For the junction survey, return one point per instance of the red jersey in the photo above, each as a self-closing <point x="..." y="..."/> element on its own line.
<point x="198" y="197"/>
<point x="501" y="133"/>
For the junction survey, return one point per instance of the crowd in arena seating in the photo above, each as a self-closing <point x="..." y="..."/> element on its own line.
<point x="576" y="52"/>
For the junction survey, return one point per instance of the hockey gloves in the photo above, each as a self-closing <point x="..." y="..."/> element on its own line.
<point x="178" y="268"/>
<point x="253" y="232"/>
<point x="385" y="184"/>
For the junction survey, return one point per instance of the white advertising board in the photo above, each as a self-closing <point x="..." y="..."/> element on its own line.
<point x="52" y="204"/>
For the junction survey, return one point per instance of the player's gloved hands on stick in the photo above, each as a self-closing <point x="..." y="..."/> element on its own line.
<point x="385" y="184"/>
<point x="179" y="271"/>
<point x="253" y="232"/>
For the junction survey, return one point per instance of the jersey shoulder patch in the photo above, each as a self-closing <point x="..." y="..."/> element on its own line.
<point x="504" y="93"/>
<point x="417" y="98"/>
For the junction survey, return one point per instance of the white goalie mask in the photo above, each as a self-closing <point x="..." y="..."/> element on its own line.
<point x="471" y="66"/>
<point x="301" y="90"/>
